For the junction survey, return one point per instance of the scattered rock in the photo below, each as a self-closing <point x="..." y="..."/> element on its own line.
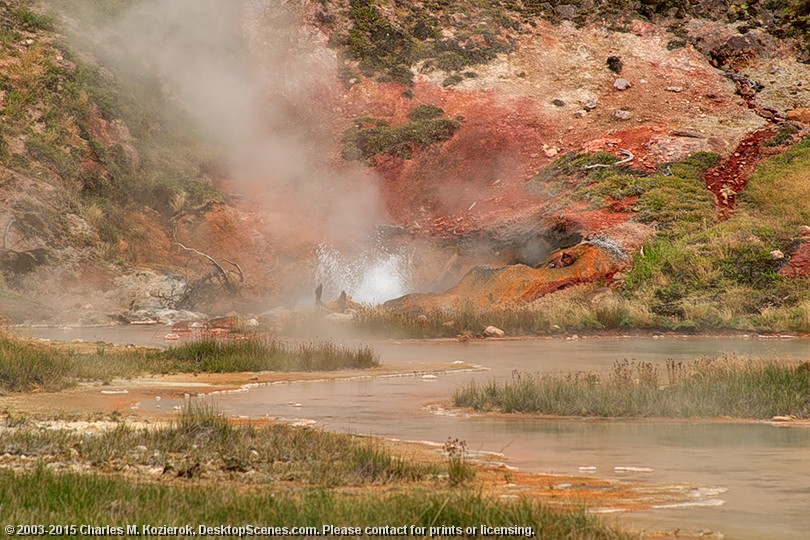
<point x="803" y="230"/>
<point x="799" y="115"/>
<point x="566" y="11"/>
<point x="799" y="263"/>
<point x="622" y="84"/>
<point x="161" y="315"/>
<point x="614" y="64"/>
<point x="777" y="255"/>
<point x="550" y="151"/>
<point x="737" y="51"/>
<point x="493" y="331"/>
<point x="581" y="113"/>
<point x="622" y="115"/>
<point x="676" y="89"/>
<point x="558" y="103"/>
<point x="590" y="104"/>
<point x="276" y="317"/>
<point x="687" y="133"/>
<point x="146" y="290"/>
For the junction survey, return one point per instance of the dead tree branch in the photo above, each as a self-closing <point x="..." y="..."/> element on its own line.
<point x="628" y="157"/>
<point x="5" y="234"/>
<point x="238" y="269"/>
<point x="220" y="270"/>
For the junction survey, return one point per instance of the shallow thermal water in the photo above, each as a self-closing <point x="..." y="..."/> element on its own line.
<point x="756" y="476"/>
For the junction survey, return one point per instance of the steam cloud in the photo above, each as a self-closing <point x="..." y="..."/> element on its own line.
<point x="257" y="82"/>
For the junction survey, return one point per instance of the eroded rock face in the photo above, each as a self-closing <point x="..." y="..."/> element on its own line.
<point x="517" y="285"/>
<point x="799" y="264"/>
<point x="799" y="115"/>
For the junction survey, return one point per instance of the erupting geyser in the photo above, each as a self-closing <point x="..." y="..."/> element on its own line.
<point x="372" y="276"/>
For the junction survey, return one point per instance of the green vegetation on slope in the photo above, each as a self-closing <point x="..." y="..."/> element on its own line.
<point x="111" y="143"/>
<point x="370" y="136"/>
<point x="262" y="475"/>
<point x="390" y="40"/>
<point x="722" y="274"/>
<point x="26" y="366"/>
<point x="726" y="386"/>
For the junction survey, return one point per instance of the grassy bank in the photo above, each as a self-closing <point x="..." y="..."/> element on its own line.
<point x="43" y="496"/>
<point x="200" y="444"/>
<point x="25" y="366"/>
<point x="726" y="386"/>
<point x="263" y="475"/>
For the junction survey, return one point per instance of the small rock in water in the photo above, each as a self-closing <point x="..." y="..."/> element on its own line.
<point x="633" y="469"/>
<point x="171" y="337"/>
<point x="494" y="331"/>
<point x="622" y="84"/>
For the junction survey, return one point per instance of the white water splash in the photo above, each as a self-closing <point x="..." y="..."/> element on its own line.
<point x="373" y="276"/>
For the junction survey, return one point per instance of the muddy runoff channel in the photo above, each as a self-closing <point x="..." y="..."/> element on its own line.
<point x="753" y="478"/>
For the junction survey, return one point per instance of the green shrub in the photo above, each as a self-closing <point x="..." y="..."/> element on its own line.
<point x="370" y="137"/>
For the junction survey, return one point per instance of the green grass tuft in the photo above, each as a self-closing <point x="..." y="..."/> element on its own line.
<point x="726" y="386"/>
<point x="370" y="137"/>
<point x="26" y="366"/>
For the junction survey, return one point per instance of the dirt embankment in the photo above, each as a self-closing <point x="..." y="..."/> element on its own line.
<point x="545" y="90"/>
